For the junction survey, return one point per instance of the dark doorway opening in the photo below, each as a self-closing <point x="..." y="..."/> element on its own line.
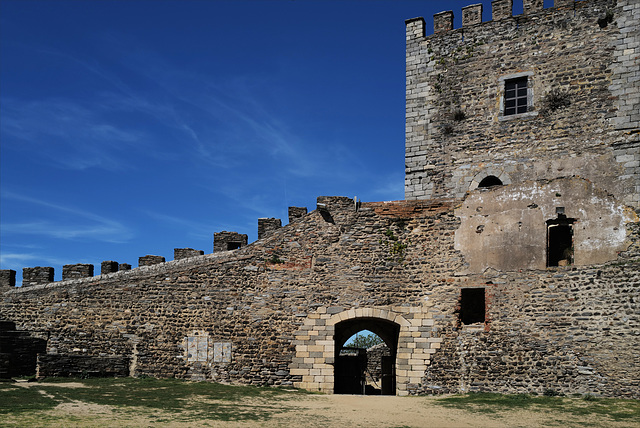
<point x="490" y="181"/>
<point x="472" y="306"/>
<point x="19" y="351"/>
<point x="349" y="373"/>
<point x="560" y="241"/>
<point x="350" y="367"/>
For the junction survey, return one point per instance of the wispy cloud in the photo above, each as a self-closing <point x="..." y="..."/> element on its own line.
<point x="66" y="132"/>
<point x="78" y="224"/>
<point x="226" y="118"/>
<point x="17" y="261"/>
<point x="390" y="187"/>
<point x="94" y="68"/>
<point x="192" y="228"/>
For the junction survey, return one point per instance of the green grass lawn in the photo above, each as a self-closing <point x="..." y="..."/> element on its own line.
<point x="184" y="401"/>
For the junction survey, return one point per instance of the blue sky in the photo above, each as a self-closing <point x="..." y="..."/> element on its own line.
<point x="135" y="127"/>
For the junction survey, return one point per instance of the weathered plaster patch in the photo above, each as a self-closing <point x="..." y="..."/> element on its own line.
<point x="505" y="227"/>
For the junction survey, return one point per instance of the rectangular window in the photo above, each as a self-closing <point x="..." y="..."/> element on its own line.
<point x="515" y="96"/>
<point x="472" y="306"/>
<point x="560" y="240"/>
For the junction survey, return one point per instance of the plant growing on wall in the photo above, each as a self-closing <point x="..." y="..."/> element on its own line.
<point x="459" y="115"/>
<point x="274" y="260"/>
<point x="555" y="99"/>
<point x="447" y="129"/>
<point x="394" y="246"/>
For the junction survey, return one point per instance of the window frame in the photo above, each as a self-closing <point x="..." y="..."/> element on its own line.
<point x="515" y="92"/>
<point x="511" y="78"/>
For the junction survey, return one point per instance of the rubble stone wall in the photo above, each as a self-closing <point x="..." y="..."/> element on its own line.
<point x="242" y="317"/>
<point x="53" y="365"/>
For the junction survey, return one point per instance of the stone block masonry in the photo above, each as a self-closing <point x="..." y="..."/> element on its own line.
<point x="266" y="226"/>
<point x="183" y="253"/>
<point x="387" y="265"/>
<point x="443" y="21"/>
<point x="532" y="6"/>
<point x="108" y="266"/>
<point x="226" y="241"/>
<point x="296" y="212"/>
<point x="472" y="15"/>
<point x="578" y="315"/>
<point x="37" y="275"/>
<point x="625" y="81"/>
<point x="502" y="9"/>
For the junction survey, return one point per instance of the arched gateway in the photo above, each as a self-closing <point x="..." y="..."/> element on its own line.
<point x="409" y="332"/>
<point x="350" y="368"/>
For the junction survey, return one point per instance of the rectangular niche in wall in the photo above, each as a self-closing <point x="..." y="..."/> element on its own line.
<point x="472" y="306"/>
<point x="222" y="352"/>
<point x="197" y="348"/>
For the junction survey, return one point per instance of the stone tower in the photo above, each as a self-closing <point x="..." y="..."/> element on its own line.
<point x="550" y="93"/>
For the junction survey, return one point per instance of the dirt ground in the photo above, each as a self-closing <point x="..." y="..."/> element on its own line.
<point x="310" y="411"/>
<point x="389" y="411"/>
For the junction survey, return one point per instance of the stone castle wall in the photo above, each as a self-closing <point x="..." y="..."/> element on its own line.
<point x="566" y="331"/>
<point x="242" y="317"/>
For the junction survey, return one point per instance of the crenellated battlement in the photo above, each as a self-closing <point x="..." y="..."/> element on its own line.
<point x="222" y="241"/>
<point x="500" y="10"/>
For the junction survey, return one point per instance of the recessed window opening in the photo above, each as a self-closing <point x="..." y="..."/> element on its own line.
<point x="515" y="96"/>
<point x="472" y="306"/>
<point x="489" y="181"/>
<point x="233" y="245"/>
<point x="560" y="241"/>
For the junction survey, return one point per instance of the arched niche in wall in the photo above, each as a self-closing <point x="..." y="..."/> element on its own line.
<point x="488" y="178"/>
<point x="490" y="181"/>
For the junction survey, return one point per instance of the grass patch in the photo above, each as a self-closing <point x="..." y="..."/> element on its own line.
<point x="184" y="401"/>
<point x="615" y="409"/>
<point x="14" y="399"/>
